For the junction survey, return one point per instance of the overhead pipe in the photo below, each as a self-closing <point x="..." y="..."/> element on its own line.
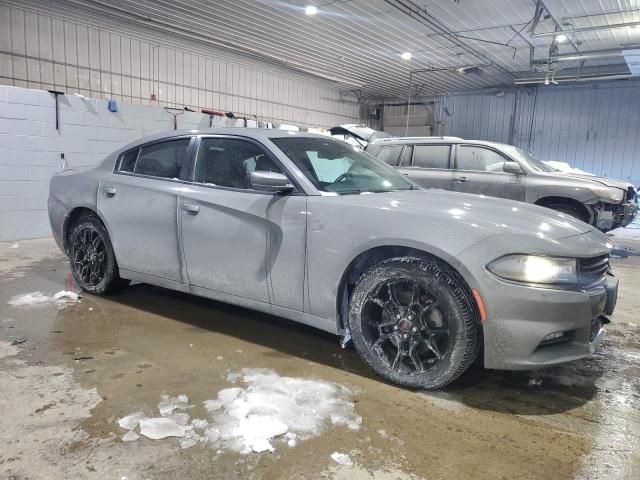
<point x="587" y="29"/>
<point x="572" y="78"/>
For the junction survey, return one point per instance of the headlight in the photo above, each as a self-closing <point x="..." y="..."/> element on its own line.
<point x="608" y="194"/>
<point x="536" y="269"/>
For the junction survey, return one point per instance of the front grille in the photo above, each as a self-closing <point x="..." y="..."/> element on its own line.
<point x="593" y="270"/>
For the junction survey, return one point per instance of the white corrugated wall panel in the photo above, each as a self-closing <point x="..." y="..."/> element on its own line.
<point x="591" y="127"/>
<point x="42" y="51"/>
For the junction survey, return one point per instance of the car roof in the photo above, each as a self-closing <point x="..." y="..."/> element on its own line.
<point x="432" y="140"/>
<point x="258" y="133"/>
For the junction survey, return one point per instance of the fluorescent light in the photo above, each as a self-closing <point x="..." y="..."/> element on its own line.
<point x="561" y="38"/>
<point x="311" y="10"/>
<point x="406" y="56"/>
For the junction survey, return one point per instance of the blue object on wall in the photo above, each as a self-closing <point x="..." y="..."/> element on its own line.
<point x="112" y="106"/>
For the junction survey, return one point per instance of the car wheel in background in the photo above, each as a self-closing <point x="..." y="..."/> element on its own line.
<point x="93" y="262"/>
<point x="413" y="322"/>
<point x="572" y="210"/>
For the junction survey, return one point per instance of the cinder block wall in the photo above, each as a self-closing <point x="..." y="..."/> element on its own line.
<point x="30" y="147"/>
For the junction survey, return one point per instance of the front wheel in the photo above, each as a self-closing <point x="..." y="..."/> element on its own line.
<point x="93" y="262"/>
<point x="574" y="211"/>
<point x="412" y="321"/>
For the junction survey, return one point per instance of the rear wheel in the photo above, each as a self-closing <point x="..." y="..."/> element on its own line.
<point x="413" y="322"/>
<point x="93" y="262"/>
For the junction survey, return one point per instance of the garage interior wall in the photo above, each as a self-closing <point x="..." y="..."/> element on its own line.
<point x="592" y="126"/>
<point x="41" y="51"/>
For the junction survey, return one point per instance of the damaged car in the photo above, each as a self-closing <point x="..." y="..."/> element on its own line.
<point x="311" y="229"/>
<point x="501" y="170"/>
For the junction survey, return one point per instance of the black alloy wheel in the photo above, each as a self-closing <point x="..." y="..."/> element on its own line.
<point x="413" y="321"/>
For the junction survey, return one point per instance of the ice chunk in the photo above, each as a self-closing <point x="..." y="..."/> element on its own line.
<point x="188" y="442"/>
<point x="66" y="295"/>
<point x="257" y="430"/>
<point x="211" y="405"/>
<point x="15" y="245"/>
<point x="341" y="458"/>
<point x="229" y="394"/>
<point x="199" y="423"/>
<point x="130" y="436"/>
<point x="39" y="299"/>
<point x="29" y="299"/>
<point x="130" y="421"/>
<point x="180" y="418"/>
<point x="161" y="427"/>
<point x="167" y="404"/>
<point x="212" y="435"/>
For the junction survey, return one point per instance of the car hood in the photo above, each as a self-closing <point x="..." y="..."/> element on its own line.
<point x="494" y="215"/>
<point x="607" y="182"/>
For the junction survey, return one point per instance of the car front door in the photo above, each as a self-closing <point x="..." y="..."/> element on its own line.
<point x="242" y="245"/>
<point x="479" y="170"/>
<point x="138" y="205"/>
<point x="429" y="166"/>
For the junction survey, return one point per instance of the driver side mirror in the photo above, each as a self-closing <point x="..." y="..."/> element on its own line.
<point x="269" y="182"/>
<point x="512" y="167"/>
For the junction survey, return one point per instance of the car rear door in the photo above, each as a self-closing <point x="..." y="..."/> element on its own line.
<point x="240" y="245"/>
<point x="138" y="205"/>
<point x="428" y="165"/>
<point x="478" y="169"/>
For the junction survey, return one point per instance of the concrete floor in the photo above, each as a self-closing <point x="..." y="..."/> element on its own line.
<point x="76" y="370"/>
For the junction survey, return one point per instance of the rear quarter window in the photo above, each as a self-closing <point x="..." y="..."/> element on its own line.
<point x="390" y="154"/>
<point x="128" y="161"/>
<point x="431" y="156"/>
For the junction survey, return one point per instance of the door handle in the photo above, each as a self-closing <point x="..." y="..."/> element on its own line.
<point x="109" y="191"/>
<point x="461" y="179"/>
<point x="189" y="208"/>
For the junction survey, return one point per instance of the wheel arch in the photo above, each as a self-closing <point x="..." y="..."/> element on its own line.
<point x="372" y="256"/>
<point x="71" y="220"/>
<point x="551" y="200"/>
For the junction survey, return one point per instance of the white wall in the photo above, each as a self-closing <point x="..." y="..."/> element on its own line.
<point x="30" y="147"/>
<point x="98" y="59"/>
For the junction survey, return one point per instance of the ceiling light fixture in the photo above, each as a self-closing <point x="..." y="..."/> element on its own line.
<point x="406" y="56"/>
<point x="311" y="10"/>
<point x="561" y="38"/>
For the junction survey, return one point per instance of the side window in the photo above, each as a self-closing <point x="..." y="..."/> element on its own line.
<point x="390" y="154"/>
<point x="163" y="159"/>
<point x="479" y="159"/>
<point x="128" y="161"/>
<point x="226" y="162"/>
<point x="431" y="156"/>
<point x="405" y="161"/>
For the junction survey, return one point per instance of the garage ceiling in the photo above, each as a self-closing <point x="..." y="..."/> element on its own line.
<point x="358" y="42"/>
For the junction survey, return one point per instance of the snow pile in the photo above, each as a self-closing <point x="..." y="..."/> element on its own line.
<point x="37" y="299"/>
<point x="245" y="419"/>
<point x="270" y="406"/>
<point x="15" y="245"/>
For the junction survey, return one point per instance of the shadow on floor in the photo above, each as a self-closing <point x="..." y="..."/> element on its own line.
<point x="527" y="393"/>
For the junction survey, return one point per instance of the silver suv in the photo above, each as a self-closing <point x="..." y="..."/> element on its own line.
<point x="500" y="170"/>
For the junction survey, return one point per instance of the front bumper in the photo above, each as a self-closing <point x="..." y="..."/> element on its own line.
<point x="610" y="216"/>
<point x="521" y="317"/>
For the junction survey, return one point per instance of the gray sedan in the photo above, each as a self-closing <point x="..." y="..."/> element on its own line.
<point x="308" y="228"/>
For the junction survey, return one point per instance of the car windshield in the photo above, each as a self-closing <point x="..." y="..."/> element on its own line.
<point x="529" y="159"/>
<point x="334" y="166"/>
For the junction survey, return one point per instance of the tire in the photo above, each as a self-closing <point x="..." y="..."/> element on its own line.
<point x="437" y="323"/>
<point x="569" y="209"/>
<point x="92" y="259"/>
